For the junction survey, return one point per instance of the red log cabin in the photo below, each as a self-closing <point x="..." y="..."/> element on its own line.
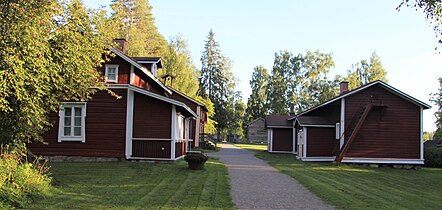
<point x="375" y="123"/>
<point x="149" y="121"/>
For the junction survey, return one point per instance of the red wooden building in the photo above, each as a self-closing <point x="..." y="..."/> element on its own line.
<point x="279" y="134"/>
<point x="375" y="123"/>
<point x="149" y="121"/>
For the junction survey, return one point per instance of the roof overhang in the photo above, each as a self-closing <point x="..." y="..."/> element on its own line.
<point x="142" y="68"/>
<point x="377" y="82"/>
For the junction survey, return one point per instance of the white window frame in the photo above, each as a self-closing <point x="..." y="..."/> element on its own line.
<point x="61" y="123"/>
<point x="107" y="66"/>
<point x="154" y="69"/>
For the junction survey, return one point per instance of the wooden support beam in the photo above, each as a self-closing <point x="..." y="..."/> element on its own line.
<point x="354" y="133"/>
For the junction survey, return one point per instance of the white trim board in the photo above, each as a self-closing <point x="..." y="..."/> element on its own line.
<point x="279" y="126"/>
<point x="318" y="159"/>
<point x="142" y="68"/>
<point x="383" y="160"/>
<point x="283" y="152"/>
<point x="382" y="84"/>
<point x="153" y="95"/>
<point x="129" y="123"/>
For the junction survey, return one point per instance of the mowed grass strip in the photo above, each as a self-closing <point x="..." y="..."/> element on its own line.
<point x="137" y="185"/>
<point x="357" y="187"/>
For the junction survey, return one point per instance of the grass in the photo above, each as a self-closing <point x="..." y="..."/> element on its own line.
<point x="357" y="187"/>
<point x="137" y="185"/>
<point x="253" y="147"/>
<point x="205" y="150"/>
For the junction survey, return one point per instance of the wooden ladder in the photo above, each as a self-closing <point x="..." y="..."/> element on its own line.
<point x="353" y="134"/>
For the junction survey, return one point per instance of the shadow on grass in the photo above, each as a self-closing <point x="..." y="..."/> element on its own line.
<point x="137" y="185"/>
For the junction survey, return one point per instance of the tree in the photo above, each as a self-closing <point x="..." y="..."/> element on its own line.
<point x="217" y="82"/>
<point x="278" y="86"/>
<point x="432" y="10"/>
<point x="210" y="124"/>
<point x="178" y="63"/>
<point x="133" y="20"/>
<point x="49" y="53"/>
<point x="235" y="125"/>
<point x="313" y="86"/>
<point x="300" y="80"/>
<point x="256" y="104"/>
<point x="365" y="72"/>
<point x="437" y="100"/>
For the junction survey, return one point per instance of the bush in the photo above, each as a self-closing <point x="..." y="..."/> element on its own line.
<point x="21" y="181"/>
<point x="196" y="158"/>
<point x="433" y="157"/>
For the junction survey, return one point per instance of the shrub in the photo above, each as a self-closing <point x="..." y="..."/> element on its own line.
<point x="196" y="158"/>
<point x="21" y="181"/>
<point x="433" y="157"/>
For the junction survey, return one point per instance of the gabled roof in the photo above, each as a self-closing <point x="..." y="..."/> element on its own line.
<point x="189" y="98"/>
<point x="253" y="121"/>
<point x="156" y="60"/>
<point x="142" y="68"/>
<point x="278" y="121"/>
<point x="377" y="82"/>
<point x="163" y="98"/>
<point x="314" y="121"/>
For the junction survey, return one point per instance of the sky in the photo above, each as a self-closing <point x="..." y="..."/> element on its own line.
<point x="249" y="32"/>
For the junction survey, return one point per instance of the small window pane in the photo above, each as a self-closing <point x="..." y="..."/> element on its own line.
<point x="77" y="121"/>
<point x="78" y="112"/>
<point x="67" y="111"/>
<point x="67" y="121"/>
<point x="67" y="131"/>
<point x="77" y="131"/>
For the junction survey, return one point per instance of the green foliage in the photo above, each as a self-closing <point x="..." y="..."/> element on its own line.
<point x="133" y="20"/>
<point x="433" y="157"/>
<point x="178" y="63"/>
<point x="256" y="104"/>
<point x="235" y="125"/>
<point x="428" y="135"/>
<point x="196" y="158"/>
<point x="365" y="72"/>
<point x="301" y="80"/>
<point x="217" y="83"/>
<point x="137" y="185"/>
<point x="436" y="98"/>
<point x="49" y="53"/>
<point x="21" y="181"/>
<point x="210" y="127"/>
<point x="432" y="10"/>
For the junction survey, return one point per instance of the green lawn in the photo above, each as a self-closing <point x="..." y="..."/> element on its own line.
<point x="253" y="147"/>
<point x="137" y="185"/>
<point x="355" y="187"/>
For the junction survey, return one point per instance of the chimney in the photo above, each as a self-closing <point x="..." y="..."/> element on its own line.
<point x="121" y="44"/>
<point x="343" y="87"/>
<point x="292" y="109"/>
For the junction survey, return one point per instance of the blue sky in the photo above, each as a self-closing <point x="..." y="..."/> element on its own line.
<point x="250" y="32"/>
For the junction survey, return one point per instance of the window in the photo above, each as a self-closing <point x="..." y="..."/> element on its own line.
<point x="72" y="122"/>
<point x="111" y="74"/>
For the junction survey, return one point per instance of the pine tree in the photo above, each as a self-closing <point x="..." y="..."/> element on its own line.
<point x="217" y="82"/>
<point x="133" y="20"/>
<point x="179" y="64"/>
<point x="256" y="104"/>
<point x="365" y="72"/>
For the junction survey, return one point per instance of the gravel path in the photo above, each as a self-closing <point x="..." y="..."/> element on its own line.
<point x="256" y="185"/>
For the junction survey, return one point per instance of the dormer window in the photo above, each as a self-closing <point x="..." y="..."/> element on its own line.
<point x="111" y="74"/>
<point x="154" y="69"/>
